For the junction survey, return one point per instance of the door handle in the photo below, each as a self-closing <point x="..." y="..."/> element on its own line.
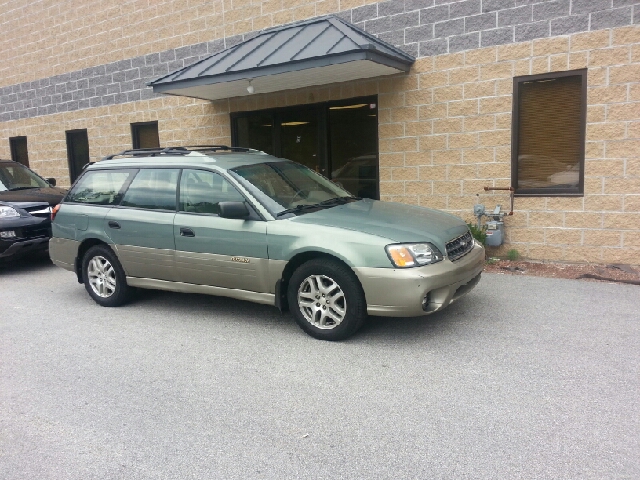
<point x="114" y="224"/>
<point x="186" y="232"/>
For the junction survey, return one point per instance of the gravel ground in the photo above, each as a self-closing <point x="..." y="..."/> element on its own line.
<point x="592" y="272"/>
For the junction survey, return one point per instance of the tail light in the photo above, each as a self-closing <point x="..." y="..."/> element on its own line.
<point x="54" y="212"/>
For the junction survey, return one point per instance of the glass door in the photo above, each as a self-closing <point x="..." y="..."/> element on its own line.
<point x="299" y="137"/>
<point x="353" y="146"/>
<point x="337" y="139"/>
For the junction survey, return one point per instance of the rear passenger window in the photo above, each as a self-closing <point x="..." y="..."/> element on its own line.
<point x="153" y="188"/>
<point x="202" y="191"/>
<point x="100" y="187"/>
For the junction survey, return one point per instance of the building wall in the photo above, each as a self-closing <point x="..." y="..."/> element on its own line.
<point x="444" y="128"/>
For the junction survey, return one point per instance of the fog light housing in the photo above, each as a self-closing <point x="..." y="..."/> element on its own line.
<point x="8" y="234"/>
<point x="425" y="301"/>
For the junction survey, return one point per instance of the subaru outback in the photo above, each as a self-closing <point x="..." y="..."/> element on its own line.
<point x="243" y="224"/>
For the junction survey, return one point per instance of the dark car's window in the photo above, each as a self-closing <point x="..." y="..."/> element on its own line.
<point x="14" y="176"/>
<point x="100" y="187"/>
<point x="201" y="192"/>
<point x="153" y="188"/>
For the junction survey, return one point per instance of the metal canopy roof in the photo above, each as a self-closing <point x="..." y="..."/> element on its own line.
<point x="313" y="52"/>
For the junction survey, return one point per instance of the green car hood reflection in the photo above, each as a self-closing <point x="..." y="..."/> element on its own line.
<point x="398" y="222"/>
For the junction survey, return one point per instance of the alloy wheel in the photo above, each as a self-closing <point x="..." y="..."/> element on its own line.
<point x="102" y="276"/>
<point x="322" y="302"/>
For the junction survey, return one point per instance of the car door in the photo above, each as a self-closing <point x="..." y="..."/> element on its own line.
<point x="216" y="251"/>
<point x="141" y="227"/>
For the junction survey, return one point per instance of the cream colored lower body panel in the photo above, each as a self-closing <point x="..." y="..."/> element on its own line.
<point x="399" y="292"/>
<point x="264" y="298"/>
<point x="63" y="252"/>
<point x="145" y="262"/>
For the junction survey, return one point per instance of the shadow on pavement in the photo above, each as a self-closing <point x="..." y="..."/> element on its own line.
<point x="26" y="265"/>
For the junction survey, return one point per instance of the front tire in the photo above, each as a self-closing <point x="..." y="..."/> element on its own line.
<point x="104" y="278"/>
<point x="326" y="299"/>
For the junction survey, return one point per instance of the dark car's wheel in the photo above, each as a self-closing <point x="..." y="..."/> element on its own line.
<point x="326" y="299"/>
<point x="104" y="277"/>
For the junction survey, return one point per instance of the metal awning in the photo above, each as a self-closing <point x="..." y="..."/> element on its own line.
<point x="313" y="52"/>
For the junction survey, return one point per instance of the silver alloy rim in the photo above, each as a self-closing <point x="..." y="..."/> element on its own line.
<point x="322" y="302"/>
<point x="102" y="276"/>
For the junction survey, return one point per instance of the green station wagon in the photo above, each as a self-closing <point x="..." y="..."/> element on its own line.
<point x="240" y="223"/>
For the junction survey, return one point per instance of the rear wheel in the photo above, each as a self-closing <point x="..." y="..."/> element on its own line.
<point x="326" y="299"/>
<point x="104" y="277"/>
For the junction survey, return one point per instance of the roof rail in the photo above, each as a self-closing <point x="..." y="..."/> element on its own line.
<point x="186" y="150"/>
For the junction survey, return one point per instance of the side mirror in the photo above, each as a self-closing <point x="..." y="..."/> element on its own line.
<point x="51" y="181"/>
<point x="233" y="210"/>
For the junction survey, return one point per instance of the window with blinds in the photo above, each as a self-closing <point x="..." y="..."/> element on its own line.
<point x="145" y="135"/>
<point x="549" y="121"/>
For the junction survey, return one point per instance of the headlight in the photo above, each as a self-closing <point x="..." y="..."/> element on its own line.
<point x="6" y="212"/>
<point x="413" y="254"/>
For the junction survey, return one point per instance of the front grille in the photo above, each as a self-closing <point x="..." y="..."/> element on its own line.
<point x="460" y="246"/>
<point x="39" y="211"/>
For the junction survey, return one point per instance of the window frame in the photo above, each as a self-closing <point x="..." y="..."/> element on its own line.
<point x="74" y="174"/>
<point x="515" y="131"/>
<point x="135" y="132"/>
<point x="213" y="172"/>
<point x="120" y="195"/>
<point x="13" y="147"/>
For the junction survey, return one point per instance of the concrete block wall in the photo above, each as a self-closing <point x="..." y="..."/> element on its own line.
<point x="444" y="127"/>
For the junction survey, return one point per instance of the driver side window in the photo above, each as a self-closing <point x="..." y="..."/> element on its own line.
<point x="201" y="191"/>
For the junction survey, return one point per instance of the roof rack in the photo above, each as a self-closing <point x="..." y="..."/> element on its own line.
<point x="186" y="150"/>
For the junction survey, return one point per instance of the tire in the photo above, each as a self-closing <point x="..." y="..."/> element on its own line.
<point x="326" y="299"/>
<point x="104" y="278"/>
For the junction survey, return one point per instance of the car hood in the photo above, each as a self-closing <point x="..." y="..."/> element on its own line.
<point x="50" y="195"/>
<point x="395" y="221"/>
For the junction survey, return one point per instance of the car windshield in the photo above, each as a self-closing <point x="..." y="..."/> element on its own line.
<point x="14" y="176"/>
<point x="288" y="187"/>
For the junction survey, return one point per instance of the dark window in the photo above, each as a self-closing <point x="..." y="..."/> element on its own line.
<point x="337" y="139"/>
<point x="202" y="191"/>
<point x="549" y="118"/>
<point x="19" y="152"/>
<point x="77" y="152"/>
<point x="100" y="187"/>
<point x="153" y="188"/>
<point x="145" y="135"/>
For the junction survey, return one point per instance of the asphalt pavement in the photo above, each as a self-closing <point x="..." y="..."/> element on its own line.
<point x="524" y="378"/>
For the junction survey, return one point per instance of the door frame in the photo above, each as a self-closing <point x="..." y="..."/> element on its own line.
<point x="322" y="110"/>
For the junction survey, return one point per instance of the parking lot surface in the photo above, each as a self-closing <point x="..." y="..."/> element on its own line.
<point x="526" y="377"/>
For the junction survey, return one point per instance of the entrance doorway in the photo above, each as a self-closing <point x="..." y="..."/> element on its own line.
<point x="337" y="139"/>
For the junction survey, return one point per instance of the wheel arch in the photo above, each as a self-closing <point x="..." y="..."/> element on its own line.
<point x="296" y="261"/>
<point x="82" y="249"/>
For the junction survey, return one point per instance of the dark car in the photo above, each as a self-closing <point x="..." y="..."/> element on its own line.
<point x="26" y="200"/>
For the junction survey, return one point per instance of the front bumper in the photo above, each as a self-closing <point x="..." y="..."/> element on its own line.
<point x="21" y="248"/>
<point x="31" y="235"/>
<point x="401" y="292"/>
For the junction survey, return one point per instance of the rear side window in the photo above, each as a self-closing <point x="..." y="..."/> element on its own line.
<point x="202" y="191"/>
<point x="154" y="189"/>
<point x="100" y="187"/>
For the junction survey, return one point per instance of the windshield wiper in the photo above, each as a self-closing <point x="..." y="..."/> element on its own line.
<point x="298" y="209"/>
<point x="20" y="188"/>
<point x="332" y="202"/>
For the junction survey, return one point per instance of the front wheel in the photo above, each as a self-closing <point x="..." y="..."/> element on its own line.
<point x="326" y="299"/>
<point x="104" y="277"/>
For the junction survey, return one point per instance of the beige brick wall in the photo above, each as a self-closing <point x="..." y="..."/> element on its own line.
<point x="445" y="133"/>
<point x="50" y="37"/>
